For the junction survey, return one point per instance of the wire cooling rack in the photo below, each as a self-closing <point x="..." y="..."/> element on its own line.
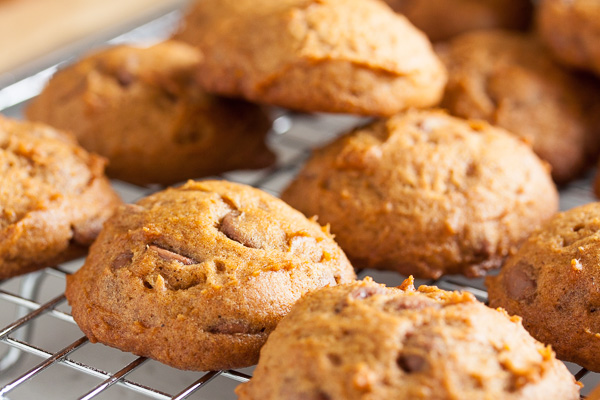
<point x="44" y="354"/>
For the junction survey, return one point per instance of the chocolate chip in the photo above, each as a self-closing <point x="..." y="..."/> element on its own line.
<point x="169" y="255"/>
<point x="483" y="249"/>
<point x="122" y="260"/>
<point x="125" y="77"/>
<point x="335" y="359"/>
<point x="366" y="292"/>
<point x="360" y="293"/>
<point x="410" y="303"/>
<point x="520" y="281"/>
<point x="411" y="362"/>
<point x="471" y="169"/>
<point x="339" y="307"/>
<point x="231" y="327"/>
<point x="231" y="226"/>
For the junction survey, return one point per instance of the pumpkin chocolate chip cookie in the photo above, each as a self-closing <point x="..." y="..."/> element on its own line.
<point x="198" y="276"/>
<point x="442" y="19"/>
<point x="54" y="197"/>
<point x="426" y="194"/>
<point x="365" y="341"/>
<point x="143" y="109"/>
<point x="571" y="29"/>
<point x="553" y="283"/>
<point x="510" y="80"/>
<point x="347" y="56"/>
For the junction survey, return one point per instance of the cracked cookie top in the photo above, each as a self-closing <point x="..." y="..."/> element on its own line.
<point x="212" y="265"/>
<point x="553" y="283"/>
<point x="349" y="56"/>
<point x="426" y="194"/>
<point x="366" y="341"/>
<point x="54" y="197"/>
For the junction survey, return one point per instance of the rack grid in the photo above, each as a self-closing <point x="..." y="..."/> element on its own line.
<point x="32" y="307"/>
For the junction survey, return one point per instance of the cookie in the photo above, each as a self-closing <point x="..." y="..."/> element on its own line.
<point x="571" y="30"/>
<point x="345" y="56"/>
<point x="143" y="109"/>
<point x="426" y="194"/>
<point x="198" y="276"/>
<point x="54" y="197"/>
<point x="552" y="282"/>
<point x="595" y="395"/>
<point x="442" y="19"/>
<point x="365" y="341"/>
<point x="510" y="80"/>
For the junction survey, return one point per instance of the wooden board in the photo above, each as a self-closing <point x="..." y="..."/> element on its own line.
<point x="30" y="29"/>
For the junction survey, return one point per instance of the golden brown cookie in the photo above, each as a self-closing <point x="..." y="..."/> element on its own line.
<point x="365" y="341"/>
<point x="54" y="197"/>
<point x="426" y="194"/>
<point x="442" y="19"/>
<point x="595" y="395"/>
<point x="510" y="80"/>
<point x="348" y="56"/>
<point x="144" y="110"/>
<point x="198" y="276"/>
<point x="553" y="283"/>
<point x="571" y="29"/>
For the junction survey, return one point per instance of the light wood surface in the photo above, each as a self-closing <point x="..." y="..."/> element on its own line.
<point x="30" y="29"/>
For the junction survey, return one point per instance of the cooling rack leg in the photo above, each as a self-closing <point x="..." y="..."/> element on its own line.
<point x="29" y="289"/>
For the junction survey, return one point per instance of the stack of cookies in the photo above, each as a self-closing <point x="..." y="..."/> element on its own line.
<point x="456" y="172"/>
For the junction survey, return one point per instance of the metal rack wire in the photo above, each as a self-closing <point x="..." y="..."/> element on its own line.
<point x="30" y="299"/>
<point x="50" y="358"/>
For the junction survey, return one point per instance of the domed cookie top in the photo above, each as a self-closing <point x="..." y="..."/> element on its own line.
<point x="363" y="340"/>
<point x="510" y="80"/>
<point x="349" y="56"/>
<point x="144" y="110"/>
<point x="442" y="19"/>
<point x="427" y="194"/>
<point x="198" y="276"/>
<point x="571" y="29"/>
<point x="552" y="282"/>
<point x="54" y="197"/>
